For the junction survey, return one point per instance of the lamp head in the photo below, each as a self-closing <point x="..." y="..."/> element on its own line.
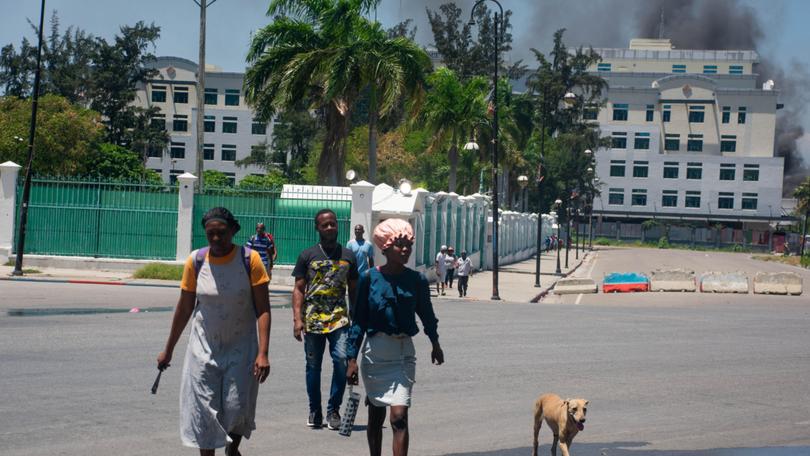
<point x="472" y="145"/>
<point x="569" y="98"/>
<point x="471" y="22"/>
<point x="350" y="175"/>
<point x="405" y="187"/>
<point x="588" y="152"/>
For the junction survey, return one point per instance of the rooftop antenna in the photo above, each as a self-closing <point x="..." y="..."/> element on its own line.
<point x="661" y="25"/>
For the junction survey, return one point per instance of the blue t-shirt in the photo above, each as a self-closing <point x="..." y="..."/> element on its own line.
<point x="363" y="250"/>
<point x="260" y="244"/>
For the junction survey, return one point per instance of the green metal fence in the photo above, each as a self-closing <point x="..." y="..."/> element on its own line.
<point x="100" y="219"/>
<point x="288" y="216"/>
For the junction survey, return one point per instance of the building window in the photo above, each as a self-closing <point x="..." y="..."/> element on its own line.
<point x="618" y="141"/>
<point x="642" y="141"/>
<point x="695" y="143"/>
<point x="178" y="150"/>
<point x="696" y="114"/>
<point x="728" y="143"/>
<point x="679" y="68"/>
<point x="590" y="113"/>
<point x="258" y="127"/>
<point x="620" y="111"/>
<point x="735" y="69"/>
<point x="210" y="124"/>
<point x="726" y="114"/>
<point x="154" y="151"/>
<point x="616" y="196"/>
<point x="617" y="168"/>
<point x="650" y="113"/>
<point x="181" y="94"/>
<point x="229" y="124"/>
<point x="741" y="114"/>
<point x="751" y="173"/>
<point x="669" y="198"/>
<point x="694" y="171"/>
<point x="173" y="175"/>
<point x="666" y="114"/>
<point x="725" y="200"/>
<point x="208" y="151"/>
<point x="692" y="199"/>
<point x="232" y="97"/>
<point x="640" y="168"/>
<point x="672" y="142"/>
<point x="228" y="152"/>
<point x="749" y="201"/>
<point x="210" y="96"/>
<point x="727" y="172"/>
<point x="180" y="122"/>
<point x="158" y="121"/>
<point x="670" y="170"/>
<point x="603" y="67"/>
<point x="638" y="197"/>
<point x="709" y="69"/>
<point x="158" y="94"/>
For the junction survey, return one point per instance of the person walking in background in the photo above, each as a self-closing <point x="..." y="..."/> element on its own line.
<point x="441" y="269"/>
<point x="362" y="249"/>
<point x="265" y="245"/>
<point x="463" y="269"/>
<point x="224" y="293"/>
<point x="450" y="265"/>
<point x="321" y="314"/>
<point x="388" y="300"/>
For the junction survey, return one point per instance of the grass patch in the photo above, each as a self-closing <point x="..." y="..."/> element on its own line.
<point x="791" y="260"/>
<point x="160" y="271"/>
<point x="25" y="270"/>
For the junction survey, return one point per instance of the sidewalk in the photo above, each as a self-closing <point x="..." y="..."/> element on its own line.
<point x="516" y="281"/>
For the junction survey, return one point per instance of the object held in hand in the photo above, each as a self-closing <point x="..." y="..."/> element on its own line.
<point x="349" y="413"/>
<point x="157" y="379"/>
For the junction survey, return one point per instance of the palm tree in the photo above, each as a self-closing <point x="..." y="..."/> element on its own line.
<point x="314" y="50"/>
<point x="452" y="112"/>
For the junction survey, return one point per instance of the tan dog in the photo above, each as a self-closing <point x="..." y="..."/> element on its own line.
<point x="565" y="418"/>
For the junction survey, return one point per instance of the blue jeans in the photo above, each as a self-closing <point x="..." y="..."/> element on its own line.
<point x="314" y="345"/>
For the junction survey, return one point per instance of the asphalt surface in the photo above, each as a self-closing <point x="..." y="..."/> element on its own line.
<point x="666" y="374"/>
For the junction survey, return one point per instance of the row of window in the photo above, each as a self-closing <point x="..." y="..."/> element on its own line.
<point x="694" y="170"/>
<point x="178" y="150"/>
<point x="681" y="68"/>
<point x="229" y="124"/>
<point x="672" y="142"/>
<point x="180" y="95"/>
<point x="696" y="113"/>
<point x="669" y="198"/>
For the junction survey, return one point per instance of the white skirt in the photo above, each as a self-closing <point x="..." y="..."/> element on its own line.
<point x="388" y="368"/>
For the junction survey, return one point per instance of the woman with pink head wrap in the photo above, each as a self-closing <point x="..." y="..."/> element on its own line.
<point x="389" y="298"/>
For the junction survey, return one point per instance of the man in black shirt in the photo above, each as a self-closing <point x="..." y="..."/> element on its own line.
<point x="321" y="313"/>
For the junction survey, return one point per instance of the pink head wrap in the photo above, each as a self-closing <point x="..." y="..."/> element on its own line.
<point x="390" y="230"/>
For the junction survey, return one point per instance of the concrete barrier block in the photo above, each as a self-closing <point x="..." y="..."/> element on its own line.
<point x="575" y="286"/>
<point x="724" y="282"/>
<point x="672" y="280"/>
<point x="625" y="282"/>
<point x="778" y="283"/>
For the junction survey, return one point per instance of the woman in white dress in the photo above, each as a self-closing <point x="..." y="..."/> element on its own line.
<point x="224" y="293"/>
<point x="388" y="300"/>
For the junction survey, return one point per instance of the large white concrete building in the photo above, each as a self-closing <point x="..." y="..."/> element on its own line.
<point x="691" y="136"/>
<point x="230" y="128"/>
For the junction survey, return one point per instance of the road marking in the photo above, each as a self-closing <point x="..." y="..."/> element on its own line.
<point x="593" y="264"/>
<point x="579" y="298"/>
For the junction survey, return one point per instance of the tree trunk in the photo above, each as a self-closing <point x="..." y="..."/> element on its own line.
<point x="372" y="136"/>
<point x="453" y="155"/>
<point x="333" y="153"/>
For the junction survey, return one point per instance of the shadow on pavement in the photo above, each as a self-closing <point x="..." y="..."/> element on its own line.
<point x="631" y="449"/>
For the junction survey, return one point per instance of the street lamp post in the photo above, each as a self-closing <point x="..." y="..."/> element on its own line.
<point x="557" y="204"/>
<point x="539" y="253"/>
<point x="523" y="181"/>
<point x="496" y="52"/>
<point x="567" y="230"/>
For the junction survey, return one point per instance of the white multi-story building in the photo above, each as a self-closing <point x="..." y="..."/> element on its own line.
<point x="691" y="136"/>
<point x="231" y="130"/>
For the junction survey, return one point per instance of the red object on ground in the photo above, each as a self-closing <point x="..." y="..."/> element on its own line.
<point x="624" y="287"/>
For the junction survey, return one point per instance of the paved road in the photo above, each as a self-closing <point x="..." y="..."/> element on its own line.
<point x="682" y="376"/>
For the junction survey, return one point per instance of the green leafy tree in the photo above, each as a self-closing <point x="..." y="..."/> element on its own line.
<point x="314" y="50"/>
<point x="452" y="112"/>
<point x="802" y="195"/>
<point x="216" y="179"/>
<point x="272" y="181"/>
<point x="17" y="69"/>
<point x="66" y="135"/>
<point x="113" y="162"/>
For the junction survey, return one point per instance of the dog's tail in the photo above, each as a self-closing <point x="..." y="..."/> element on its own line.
<point x="538" y="420"/>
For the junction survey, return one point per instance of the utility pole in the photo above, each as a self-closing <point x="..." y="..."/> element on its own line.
<point x="203" y="4"/>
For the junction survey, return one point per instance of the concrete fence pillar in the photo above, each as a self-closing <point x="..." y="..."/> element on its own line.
<point x="362" y="203"/>
<point x="8" y="202"/>
<point x="185" y="215"/>
<point x="453" y="220"/>
<point x="441" y="218"/>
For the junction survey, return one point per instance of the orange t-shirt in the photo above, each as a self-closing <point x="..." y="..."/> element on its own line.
<point x="258" y="275"/>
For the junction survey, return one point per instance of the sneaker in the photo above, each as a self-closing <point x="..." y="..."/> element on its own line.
<point x="315" y="419"/>
<point x="333" y="420"/>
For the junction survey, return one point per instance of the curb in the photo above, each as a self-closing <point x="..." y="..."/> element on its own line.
<point x="89" y="282"/>
<point x="545" y="292"/>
